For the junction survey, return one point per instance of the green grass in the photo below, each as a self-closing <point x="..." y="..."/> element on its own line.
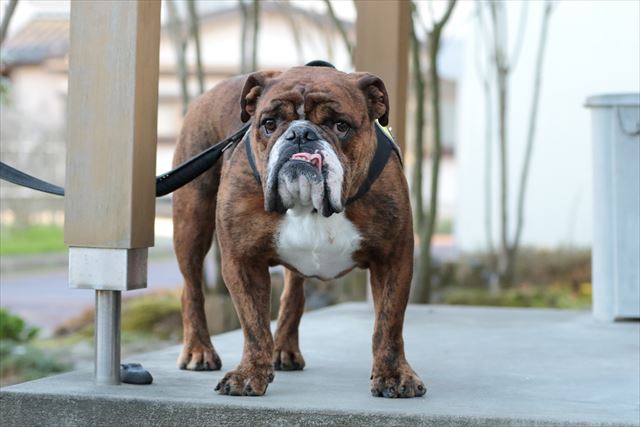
<point x="34" y="239"/>
<point x="555" y="295"/>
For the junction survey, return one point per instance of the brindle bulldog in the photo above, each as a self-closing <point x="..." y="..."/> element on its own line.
<point x="283" y="201"/>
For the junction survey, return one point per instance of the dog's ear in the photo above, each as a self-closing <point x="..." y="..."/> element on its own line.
<point x="376" y="94"/>
<point x="251" y="91"/>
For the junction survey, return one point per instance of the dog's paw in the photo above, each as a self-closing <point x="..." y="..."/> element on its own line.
<point x="199" y="357"/>
<point x="402" y="383"/>
<point x="286" y="360"/>
<point x="245" y="382"/>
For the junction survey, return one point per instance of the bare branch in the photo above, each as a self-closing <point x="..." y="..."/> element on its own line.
<point x="484" y="43"/>
<point x="432" y="14"/>
<point x="533" y="116"/>
<point x="288" y="11"/>
<point x="8" y="14"/>
<point x="522" y="25"/>
<point x="340" y="28"/>
<point x="425" y="268"/>
<point x="502" y="84"/>
<point x="256" y="29"/>
<point x="488" y="134"/>
<point x="180" y="46"/>
<point x="418" y="148"/>
<point x="244" y="13"/>
<point x="447" y="14"/>
<point x="195" y="33"/>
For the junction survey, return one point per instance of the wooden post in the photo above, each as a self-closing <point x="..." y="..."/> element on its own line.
<point x="382" y="42"/>
<point x="111" y="151"/>
<point x="113" y="103"/>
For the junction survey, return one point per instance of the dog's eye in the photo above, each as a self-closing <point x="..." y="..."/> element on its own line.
<point x="341" y="129"/>
<point x="269" y="126"/>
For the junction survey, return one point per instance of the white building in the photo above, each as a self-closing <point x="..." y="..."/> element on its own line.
<point x="593" y="48"/>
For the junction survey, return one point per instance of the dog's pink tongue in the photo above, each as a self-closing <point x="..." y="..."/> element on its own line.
<point x="315" y="159"/>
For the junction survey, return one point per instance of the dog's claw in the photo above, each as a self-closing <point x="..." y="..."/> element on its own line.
<point x="243" y="382"/>
<point x="199" y="357"/>
<point x="389" y="392"/>
<point x="288" y="360"/>
<point x="403" y="383"/>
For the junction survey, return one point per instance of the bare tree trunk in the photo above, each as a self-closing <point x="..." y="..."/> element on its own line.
<point x="418" y="151"/>
<point x="488" y="138"/>
<point x="533" y="116"/>
<point x="176" y="32"/>
<point x="195" y="33"/>
<point x="244" y="27"/>
<point x="502" y="82"/>
<point x="6" y="20"/>
<point x="425" y="267"/>
<point x="503" y="68"/>
<point x="340" y="28"/>
<point x="256" y="29"/>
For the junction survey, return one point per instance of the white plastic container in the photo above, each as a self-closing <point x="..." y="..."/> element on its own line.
<point x="615" y="129"/>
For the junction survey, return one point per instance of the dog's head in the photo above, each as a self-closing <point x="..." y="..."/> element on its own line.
<point x="312" y="134"/>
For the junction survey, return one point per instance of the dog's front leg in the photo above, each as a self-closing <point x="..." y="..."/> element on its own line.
<point x="392" y="376"/>
<point x="287" y="355"/>
<point x="250" y="285"/>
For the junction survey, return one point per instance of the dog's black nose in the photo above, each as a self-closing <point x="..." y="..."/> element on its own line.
<point x="300" y="135"/>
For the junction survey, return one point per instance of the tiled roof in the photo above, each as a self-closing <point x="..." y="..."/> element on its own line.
<point x="39" y="40"/>
<point x="45" y="38"/>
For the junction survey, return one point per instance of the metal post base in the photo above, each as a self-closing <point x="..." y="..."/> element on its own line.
<point x="107" y="336"/>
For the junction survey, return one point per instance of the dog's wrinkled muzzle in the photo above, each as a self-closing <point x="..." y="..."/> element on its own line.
<point x="303" y="171"/>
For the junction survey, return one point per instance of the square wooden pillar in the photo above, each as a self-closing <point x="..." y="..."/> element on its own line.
<point x="111" y="148"/>
<point x="382" y="43"/>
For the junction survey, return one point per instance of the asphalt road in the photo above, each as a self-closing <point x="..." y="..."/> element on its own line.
<point x="43" y="299"/>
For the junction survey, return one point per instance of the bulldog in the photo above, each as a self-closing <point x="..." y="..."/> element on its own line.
<point x="291" y="194"/>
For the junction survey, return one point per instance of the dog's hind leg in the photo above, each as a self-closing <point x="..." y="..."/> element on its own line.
<point x="286" y="353"/>
<point x="193" y="225"/>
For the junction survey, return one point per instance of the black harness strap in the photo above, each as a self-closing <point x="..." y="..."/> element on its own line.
<point x="252" y="162"/>
<point x="384" y="147"/>
<point x="383" y="150"/>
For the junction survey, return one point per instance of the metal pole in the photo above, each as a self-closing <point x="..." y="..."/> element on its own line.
<point x="107" y="348"/>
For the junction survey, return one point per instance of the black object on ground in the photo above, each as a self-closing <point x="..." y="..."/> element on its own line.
<point x="134" y="373"/>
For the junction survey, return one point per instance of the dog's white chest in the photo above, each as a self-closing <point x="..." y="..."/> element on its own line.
<point x="315" y="245"/>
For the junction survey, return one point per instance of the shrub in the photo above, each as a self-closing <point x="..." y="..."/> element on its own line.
<point x="20" y="360"/>
<point x="14" y="328"/>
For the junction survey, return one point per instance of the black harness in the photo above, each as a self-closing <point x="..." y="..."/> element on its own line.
<point x="385" y="145"/>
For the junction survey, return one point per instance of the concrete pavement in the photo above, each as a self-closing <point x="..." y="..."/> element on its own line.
<point x="482" y="367"/>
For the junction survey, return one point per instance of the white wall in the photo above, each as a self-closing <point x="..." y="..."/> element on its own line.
<point x="593" y="48"/>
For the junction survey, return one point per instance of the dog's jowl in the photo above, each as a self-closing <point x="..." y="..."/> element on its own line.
<point x="285" y="196"/>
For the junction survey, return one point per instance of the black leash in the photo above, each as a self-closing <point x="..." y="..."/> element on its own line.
<point x="165" y="183"/>
<point x="196" y="166"/>
<point x="17" y="177"/>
